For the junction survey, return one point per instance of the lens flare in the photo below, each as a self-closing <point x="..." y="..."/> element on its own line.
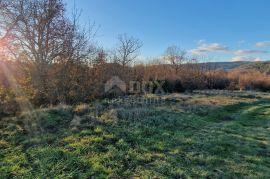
<point x="25" y="105"/>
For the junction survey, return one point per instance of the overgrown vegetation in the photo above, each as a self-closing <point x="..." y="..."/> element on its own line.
<point x="47" y="59"/>
<point x="185" y="120"/>
<point x="187" y="136"/>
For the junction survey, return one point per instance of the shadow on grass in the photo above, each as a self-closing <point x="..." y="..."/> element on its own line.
<point x="232" y="141"/>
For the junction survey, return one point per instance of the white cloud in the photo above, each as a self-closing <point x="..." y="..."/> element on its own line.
<point x="258" y="59"/>
<point x="263" y="44"/>
<point x="246" y="52"/>
<point x="214" y="47"/>
<point x="245" y="58"/>
<point x="240" y="58"/>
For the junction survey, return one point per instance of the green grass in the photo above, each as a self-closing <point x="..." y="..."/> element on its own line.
<point x="176" y="140"/>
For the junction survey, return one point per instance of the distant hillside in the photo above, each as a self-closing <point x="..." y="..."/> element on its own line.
<point x="225" y="65"/>
<point x="263" y="67"/>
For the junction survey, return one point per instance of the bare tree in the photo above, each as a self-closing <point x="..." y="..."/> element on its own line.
<point x="35" y="27"/>
<point x="40" y="30"/>
<point x="127" y="50"/>
<point x="175" y="56"/>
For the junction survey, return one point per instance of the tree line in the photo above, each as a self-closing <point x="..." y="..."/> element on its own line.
<point x="47" y="58"/>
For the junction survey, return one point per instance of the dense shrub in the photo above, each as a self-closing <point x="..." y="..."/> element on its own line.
<point x="249" y="80"/>
<point x="172" y="86"/>
<point x="8" y="104"/>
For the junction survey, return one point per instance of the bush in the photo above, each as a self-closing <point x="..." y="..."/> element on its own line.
<point x="82" y="109"/>
<point x="262" y="85"/>
<point x="8" y="104"/>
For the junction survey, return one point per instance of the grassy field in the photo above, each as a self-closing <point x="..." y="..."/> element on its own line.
<point x="202" y="135"/>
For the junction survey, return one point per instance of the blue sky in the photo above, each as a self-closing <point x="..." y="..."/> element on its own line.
<point x="218" y="30"/>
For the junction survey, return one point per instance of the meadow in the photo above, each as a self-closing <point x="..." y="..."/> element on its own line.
<point x="105" y="89"/>
<point x="204" y="134"/>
